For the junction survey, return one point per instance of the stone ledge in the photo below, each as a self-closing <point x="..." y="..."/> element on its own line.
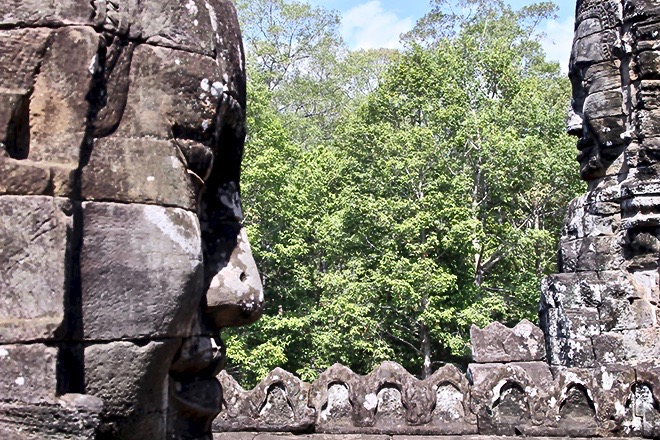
<point x="506" y="399"/>
<point x="289" y="436"/>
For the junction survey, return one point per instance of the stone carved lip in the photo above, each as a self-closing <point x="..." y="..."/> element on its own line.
<point x="200" y="397"/>
<point x="205" y="360"/>
<point x="586" y="147"/>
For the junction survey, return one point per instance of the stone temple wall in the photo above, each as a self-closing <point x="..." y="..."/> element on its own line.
<point x="602" y="306"/>
<point x="122" y="254"/>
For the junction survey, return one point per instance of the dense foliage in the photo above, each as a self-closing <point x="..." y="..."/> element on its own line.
<point x="395" y="198"/>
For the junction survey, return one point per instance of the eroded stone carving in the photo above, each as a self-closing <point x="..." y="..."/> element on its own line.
<point x="509" y="399"/>
<point x="498" y="343"/>
<point x="602" y="306"/>
<point x="278" y="403"/>
<point x="121" y="137"/>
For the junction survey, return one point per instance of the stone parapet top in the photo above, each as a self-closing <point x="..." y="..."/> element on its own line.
<point x="526" y="396"/>
<point x="289" y="436"/>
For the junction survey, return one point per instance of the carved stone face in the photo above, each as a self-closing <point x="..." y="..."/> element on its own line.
<point x="126" y="120"/>
<point x="596" y="114"/>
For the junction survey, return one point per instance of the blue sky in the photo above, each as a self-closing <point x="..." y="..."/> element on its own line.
<point x="378" y="23"/>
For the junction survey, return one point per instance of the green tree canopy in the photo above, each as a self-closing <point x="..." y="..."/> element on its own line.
<point x="429" y="198"/>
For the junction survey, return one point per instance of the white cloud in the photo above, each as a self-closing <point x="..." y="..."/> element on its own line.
<point x="370" y="26"/>
<point x="559" y="40"/>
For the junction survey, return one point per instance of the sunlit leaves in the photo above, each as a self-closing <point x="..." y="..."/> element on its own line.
<point x="424" y="197"/>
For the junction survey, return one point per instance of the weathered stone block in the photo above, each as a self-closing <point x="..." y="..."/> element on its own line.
<point x="647" y="94"/>
<point x="144" y="264"/>
<point x="572" y="409"/>
<point x="46" y="12"/>
<point x="648" y="64"/>
<point x="627" y="314"/>
<point x="132" y="380"/>
<point x="416" y="397"/>
<point x="138" y="170"/>
<point x="613" y="129"/>
<point x="581" y="224"/>
<point x="338" y="410"/>
<point x="21" y="51"/>
<point x="59" y="105"/>
<point x="487" y="437"/>
<point x="647" y="123"/>
<point x="451" y="414"/>
<point x="72" y="417"/>
<point x="591" y="254"/>
<point x="642" y="344"/>
<point x="283" y="436"/>
<point x="633" y="188"/>
<point x="589" y="37"/>
<point x="26" y="177"/>
<point x="21" y="178"/>
<point x="235" y="296"/>
<point x="603" y="77"/>
<point x="608" y="348"/>
<point x="277" y="404"/>
<point x="611" y="394"/>
<point x="333" y="396"/>
<point x="163" y="104"/>
<point x="646" y="418"/>
<point x="44" y="92"/>
<point x="571" y="290"/>
<point x="498" y="343"/>
<point x="601" y="104"/>
<point x="390" y="413"/>
<point x="576" y="352"/>
<point x="647" y="282"/>
<point x="587" y="290"/>
<point x="197" y="25"/>
<point x="35" y="234"/>
<point x="509" y="399"/>
<point x="573" y="323"/>
<point x="28" y="373"/>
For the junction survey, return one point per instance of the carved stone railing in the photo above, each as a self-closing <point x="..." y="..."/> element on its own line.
<point x="511" y="390"/>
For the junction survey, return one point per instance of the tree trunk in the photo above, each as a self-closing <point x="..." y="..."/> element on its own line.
<point x="426" y="351"/>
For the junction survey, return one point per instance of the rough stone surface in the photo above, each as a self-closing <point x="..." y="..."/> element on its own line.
<point x="143" y="263"/>
<point x="133" y="383"/>
<point x="278" y="403"/>
<point x="284" y="436"/>
<point x="28" y="373"/>
<point x="602" y="306"/>
<point x="498" y="343"/>
<point x="72" y="417"/>
<point x="122" y="125"/>
<point x="35" y="257"/>
<point x="58" y="121"/>
<point x="46" y="13"/>
<point x="138" y="170"/>
<point x="26" y="177"/>
<point x="236" y="293"/>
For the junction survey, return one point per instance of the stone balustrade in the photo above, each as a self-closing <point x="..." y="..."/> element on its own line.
<point x="511" y="390"/>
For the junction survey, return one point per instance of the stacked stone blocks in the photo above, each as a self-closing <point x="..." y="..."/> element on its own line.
<point x="103" y="105"/>
<point x="602" y="306"/>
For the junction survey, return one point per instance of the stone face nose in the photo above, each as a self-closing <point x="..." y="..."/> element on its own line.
<point x="574" y="123"/>
<point x="236" y="296"/>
